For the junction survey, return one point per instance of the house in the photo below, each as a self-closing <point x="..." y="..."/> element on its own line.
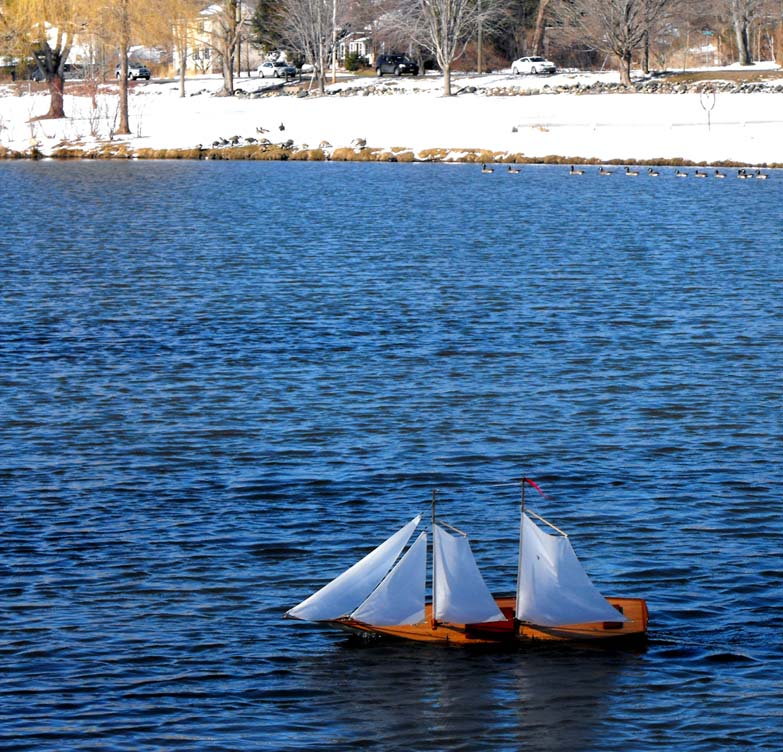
<point x="200" y="41"/>
<point x="355" y="43"/>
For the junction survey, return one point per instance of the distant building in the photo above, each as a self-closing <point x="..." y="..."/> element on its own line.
<point x="355" y="43"/>
<point x="202" y="55"/>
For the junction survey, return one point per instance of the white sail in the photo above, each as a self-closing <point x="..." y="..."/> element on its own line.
<point x="343" y="594"/>
<point x="553" y="589"/>
<point x="460" y="594"/>
<point x="399" y="599"/>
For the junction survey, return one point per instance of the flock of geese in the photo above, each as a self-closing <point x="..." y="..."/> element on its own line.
<point x="742" y="173"/>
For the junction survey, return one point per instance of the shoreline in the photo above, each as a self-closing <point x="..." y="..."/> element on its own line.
<point x="120" y="151"/>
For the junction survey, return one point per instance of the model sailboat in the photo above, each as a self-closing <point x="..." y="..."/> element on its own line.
<point x="384" y="593"/>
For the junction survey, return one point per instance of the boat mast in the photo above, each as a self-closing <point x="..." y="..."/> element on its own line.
<point x="519" y="562"/>
<point x="433" y="622"/>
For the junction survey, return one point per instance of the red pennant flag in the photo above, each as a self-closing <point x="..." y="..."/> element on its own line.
<point x="535" y="485"/>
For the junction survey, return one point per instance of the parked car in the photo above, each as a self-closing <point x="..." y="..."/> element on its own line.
<point x="532" y="65"/>
<point x="276" y="69"/>
<point x="134" y="71"/>
<point x="70" y="70"/>
<point x="396" y="64"/>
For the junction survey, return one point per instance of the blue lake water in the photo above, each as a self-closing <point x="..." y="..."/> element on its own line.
<point x="222" y="383"/>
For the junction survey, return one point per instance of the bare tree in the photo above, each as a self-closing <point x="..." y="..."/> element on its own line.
<point x="182" y="16"/>
<point x="122" y="23"/>
<point x="617" y="27"/>
<point x="308" y="28"/>
<point x="227" y="19"/>
<point x="538" y="32"/>
<point x="46" y="30"/>
<point x="446" y="27"/>
<point x="743" y="13"/>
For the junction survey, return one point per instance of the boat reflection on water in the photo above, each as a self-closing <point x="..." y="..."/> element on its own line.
<point x="424" y="697"/>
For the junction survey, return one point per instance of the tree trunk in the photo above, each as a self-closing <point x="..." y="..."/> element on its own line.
<point x="646" y="53"/>
<point x="228" y="76"/>
<point x="56" y="96"/>
<point x="447" y="80"/>
<point x="334" y="41"/>
<point x="321" y="62"/>
<point x="228" y="45"/>
<point x="123" y="128"/>
<point x="50" y="63"/>
<point x="182" y="64"/>
<point x="480" y="48"/>
<point x="538" y="34"/>
<point x="625" y="67"/>
<point x="743" y="46"/>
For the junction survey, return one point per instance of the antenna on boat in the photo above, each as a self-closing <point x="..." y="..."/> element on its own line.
<point x="433" y="621"/>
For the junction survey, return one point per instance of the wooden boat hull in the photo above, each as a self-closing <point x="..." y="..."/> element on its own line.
<point x="634" y="610"/>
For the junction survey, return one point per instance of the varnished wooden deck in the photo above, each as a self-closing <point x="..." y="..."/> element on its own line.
<point x="634" y="610"/>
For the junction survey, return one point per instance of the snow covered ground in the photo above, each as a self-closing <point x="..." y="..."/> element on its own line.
<point x="412" y="113"/>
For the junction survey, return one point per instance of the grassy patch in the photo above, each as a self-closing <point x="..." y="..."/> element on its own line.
<point x="736" y="76"/>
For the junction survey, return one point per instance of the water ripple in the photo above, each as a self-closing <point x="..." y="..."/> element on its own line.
<point x="218" y="399"/>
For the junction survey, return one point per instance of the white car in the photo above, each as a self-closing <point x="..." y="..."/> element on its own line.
<point x="532" y="65"/>
<point x="135" y="71"/>
<point x="276" y="69"/>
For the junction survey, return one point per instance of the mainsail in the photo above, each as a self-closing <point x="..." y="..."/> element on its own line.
<point x="460" y="594"/>
<point x="399" y="599"/>
<point x="343" y="594"/>
<point x="553" y="589"/>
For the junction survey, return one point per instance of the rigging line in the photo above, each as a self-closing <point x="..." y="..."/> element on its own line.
<point x="529" y="511"/>
<point x="451" y="527"/>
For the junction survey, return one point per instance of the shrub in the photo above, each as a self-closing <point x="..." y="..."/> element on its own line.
<point x="354" y="61"/>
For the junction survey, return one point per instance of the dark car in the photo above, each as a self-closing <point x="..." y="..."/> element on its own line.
<point x="396" y="64"/>
<point x="70" y="70"/>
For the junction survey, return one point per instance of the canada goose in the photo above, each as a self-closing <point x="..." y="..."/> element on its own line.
<point x="719" y="174"/>
<point x="281" y="126"/>
<point x="574" y="171"/>
<point x="680" y="174"/>
<point x="604" y="171"/>
<point x="631" y="173"/>
<point x="513" y="170"/>
<point x="761" y="175"/>
<point x="486" y="169"/>
<point x="742" y="175"/>
<point x="652" y="173"/>
<point x="700" y="174"/>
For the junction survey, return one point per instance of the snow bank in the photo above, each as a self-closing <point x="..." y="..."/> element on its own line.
<point x="412" y="113"/>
